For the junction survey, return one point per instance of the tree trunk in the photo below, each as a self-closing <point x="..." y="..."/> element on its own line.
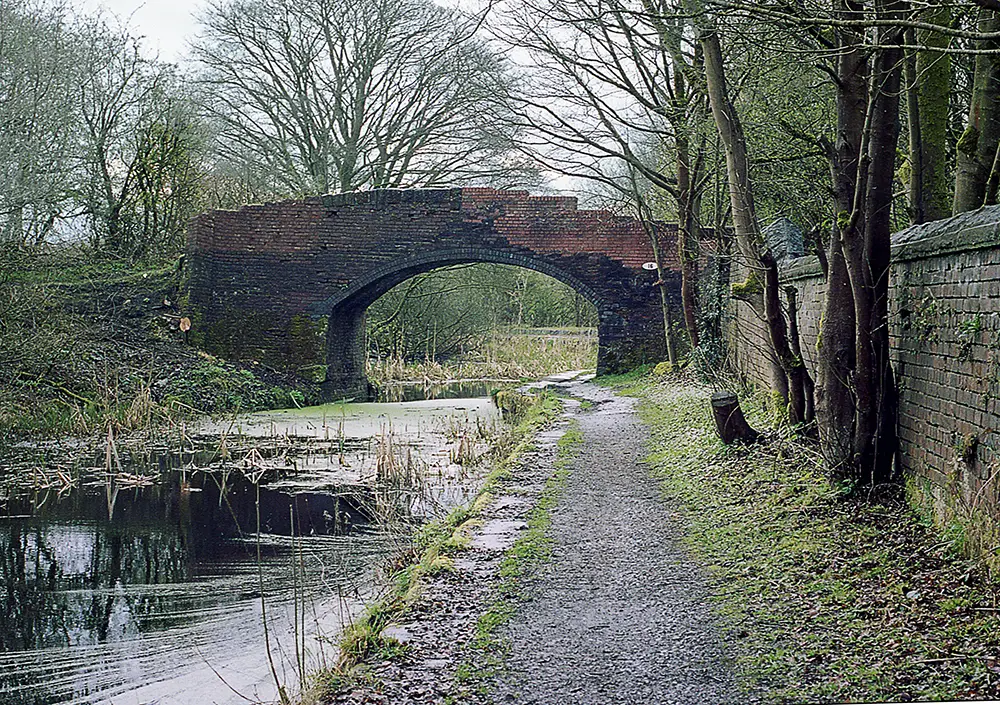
<point x="835" y="402"/>
<point x="867" y="252"/>
<point x="799" y="407"/>
<point x="730" y="129"/>
<point x="729" y="419"/>
<point x="977" y="148"/>
<point x="687" y="238"/>
<point x="928" y="89"/>
<point x="747" y="227"/>
<point x="914" y="187"/>
<point x="668" y="324"/>
<point x="808" y="386"/>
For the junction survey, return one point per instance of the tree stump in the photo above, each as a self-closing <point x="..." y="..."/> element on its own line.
<point x="729" y="421"/>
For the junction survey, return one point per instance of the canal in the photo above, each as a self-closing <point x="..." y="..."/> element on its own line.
<point x="221" y="563"/>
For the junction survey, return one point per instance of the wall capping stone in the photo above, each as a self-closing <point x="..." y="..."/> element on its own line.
<point x="974" y="230"/>
<point x="804" y="267"/>
<point x="966" y="232"/>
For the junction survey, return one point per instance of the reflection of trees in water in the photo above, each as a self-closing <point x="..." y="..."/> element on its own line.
<point x="23" y="606"/>
<point x="71" y="577"/>
<point x="65" y="584"/>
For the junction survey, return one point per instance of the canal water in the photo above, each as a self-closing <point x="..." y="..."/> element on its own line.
<point x="222" y="564"/>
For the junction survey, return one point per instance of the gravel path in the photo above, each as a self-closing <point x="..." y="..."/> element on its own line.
<point x="620" y="614"/>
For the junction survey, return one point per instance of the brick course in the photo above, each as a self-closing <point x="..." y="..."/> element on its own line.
<point x="256" y="273"/>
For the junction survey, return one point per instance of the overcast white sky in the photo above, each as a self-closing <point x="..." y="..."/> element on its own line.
<point x="165" y="25"/>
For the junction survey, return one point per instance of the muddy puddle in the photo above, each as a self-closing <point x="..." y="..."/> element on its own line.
<point x="135" y="575"/>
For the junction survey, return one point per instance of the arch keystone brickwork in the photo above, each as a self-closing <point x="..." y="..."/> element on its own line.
<point x="263" y="279"/>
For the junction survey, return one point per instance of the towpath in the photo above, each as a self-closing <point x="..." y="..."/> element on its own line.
<point x="620" y="614"/>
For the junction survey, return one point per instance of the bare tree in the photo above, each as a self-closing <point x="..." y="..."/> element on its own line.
<point x="139" y="144"/>
<point x="37" y="118"/>
<point x="608" y="100"/>
<point x="98" y="142"/>
<point x="860" y="46"/>
<point x="336" y="95"/>
<point x="762" y="289"/>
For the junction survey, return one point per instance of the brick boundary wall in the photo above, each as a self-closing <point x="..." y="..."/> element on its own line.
<point x="944" y="313"/>
<point x="265" y="278"/>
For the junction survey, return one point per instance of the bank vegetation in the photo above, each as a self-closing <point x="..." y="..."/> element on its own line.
<point x="823" y="598"/>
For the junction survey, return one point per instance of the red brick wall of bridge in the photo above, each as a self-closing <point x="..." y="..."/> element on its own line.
<point x="253" y="271"/>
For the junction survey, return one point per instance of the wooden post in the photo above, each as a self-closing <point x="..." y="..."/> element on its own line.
<point x="729" y="421"/>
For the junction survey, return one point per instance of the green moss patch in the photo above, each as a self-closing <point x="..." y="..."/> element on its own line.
<point x="823" y="599"/>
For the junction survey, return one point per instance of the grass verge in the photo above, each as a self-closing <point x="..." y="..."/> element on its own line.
<point x="823" y="599"/>
<point x="431" y="552"/>
<point x="86" y="344"/>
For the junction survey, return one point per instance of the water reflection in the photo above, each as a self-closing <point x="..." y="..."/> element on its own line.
<point x="145" y="584"/>
<point x="416" y="391"/>
<point x="66" y="568"/>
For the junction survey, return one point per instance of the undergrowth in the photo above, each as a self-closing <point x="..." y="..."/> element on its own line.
<point x="85" y="344"/>
<point x="824" y="599"/>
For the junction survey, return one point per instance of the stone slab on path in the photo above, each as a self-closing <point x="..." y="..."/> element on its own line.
<point x="438" y="627"/>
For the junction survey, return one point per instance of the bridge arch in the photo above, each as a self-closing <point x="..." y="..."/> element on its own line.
<point x="345" y="310"/>
<point x="264" y="278"/>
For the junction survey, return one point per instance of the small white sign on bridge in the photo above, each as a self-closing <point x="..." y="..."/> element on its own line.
<point x="649" y="266"/>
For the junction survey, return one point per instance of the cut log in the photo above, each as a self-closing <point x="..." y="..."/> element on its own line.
<point x="729" y="421"/>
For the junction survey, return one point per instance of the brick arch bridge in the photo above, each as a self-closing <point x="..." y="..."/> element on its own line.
<point x="265" y="280"/>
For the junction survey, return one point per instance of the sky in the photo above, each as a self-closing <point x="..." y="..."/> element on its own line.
<point x="165" y="25"/>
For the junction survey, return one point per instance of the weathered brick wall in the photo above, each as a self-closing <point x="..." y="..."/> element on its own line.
<point x="748" y="339"/>
<point x="945" y="333"/>
<point x="261" y="276"/>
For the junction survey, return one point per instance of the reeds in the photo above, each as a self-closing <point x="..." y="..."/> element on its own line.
<point x="504" y="355"/>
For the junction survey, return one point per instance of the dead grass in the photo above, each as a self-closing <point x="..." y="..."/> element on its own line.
<point x="517" y="355"/>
